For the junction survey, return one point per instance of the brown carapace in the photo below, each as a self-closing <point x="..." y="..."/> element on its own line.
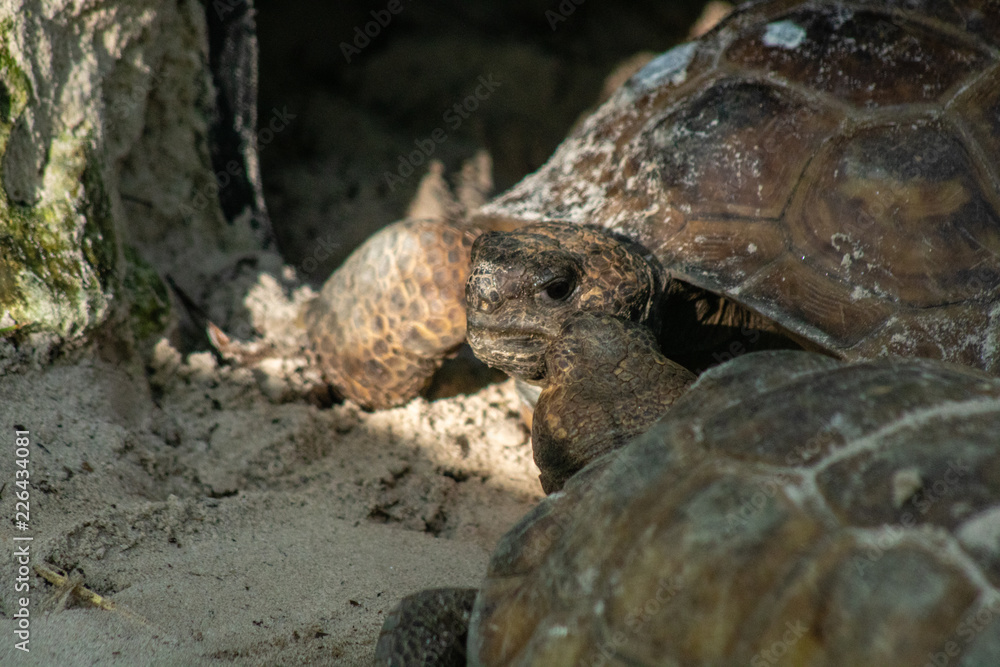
<point x="832" y="166"/>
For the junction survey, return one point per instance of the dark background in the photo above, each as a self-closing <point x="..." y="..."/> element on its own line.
<point x="324" y="175"/>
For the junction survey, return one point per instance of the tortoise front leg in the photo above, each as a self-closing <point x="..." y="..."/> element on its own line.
<point x="427" y="628"/>
<point x="390" y="315"/>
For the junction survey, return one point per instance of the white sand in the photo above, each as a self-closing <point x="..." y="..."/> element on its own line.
<point x="230" y="529"/>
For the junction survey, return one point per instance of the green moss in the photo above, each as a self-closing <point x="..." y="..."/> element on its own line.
<point x="31" y="243"/>
<point x="16" y="90"/>
<point x="149" y="301"/>
<point x="47" y="273"/>
<point x="100" y="247"/>
<point x="44" y="280"/>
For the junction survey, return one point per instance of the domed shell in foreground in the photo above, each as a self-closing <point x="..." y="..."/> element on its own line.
<point x="789" y="509"/>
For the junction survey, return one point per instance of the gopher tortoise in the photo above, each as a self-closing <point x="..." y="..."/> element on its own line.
<point x="823" y="172"/>
<point x="788" y="509"/>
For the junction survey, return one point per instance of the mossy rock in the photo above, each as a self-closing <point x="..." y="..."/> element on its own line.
<point x="58" y="252"/>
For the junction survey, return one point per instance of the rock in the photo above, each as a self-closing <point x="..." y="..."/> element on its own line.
<point x="108" y="129"/>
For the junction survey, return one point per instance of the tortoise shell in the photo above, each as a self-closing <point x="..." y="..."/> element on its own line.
<point x="789" y="509"/>
<point x="831" y="165"/>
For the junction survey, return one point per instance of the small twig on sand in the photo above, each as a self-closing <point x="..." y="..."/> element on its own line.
<point x="76" y="587"/>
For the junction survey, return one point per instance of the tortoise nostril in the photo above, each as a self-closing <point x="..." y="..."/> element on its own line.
<point x="483" y="301"/>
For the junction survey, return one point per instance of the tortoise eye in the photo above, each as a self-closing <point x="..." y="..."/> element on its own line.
<point x="559" y="289"/>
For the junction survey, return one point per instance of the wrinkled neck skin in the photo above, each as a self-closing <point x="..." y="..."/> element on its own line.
<point x="574" y="312"/>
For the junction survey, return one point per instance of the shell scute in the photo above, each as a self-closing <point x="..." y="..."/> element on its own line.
<point x="814" y="304"/>
<point x="737" y="149"/>
<point x="977" y="111"/>
<point x="942" y="487"/>
<point x="883" y="579"/>
<point x="899" y="211"/>
<point x="866" y="58"/>
<point x="704" y="249"/>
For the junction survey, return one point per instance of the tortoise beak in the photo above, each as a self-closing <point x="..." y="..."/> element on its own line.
<point x="517" y="352"/>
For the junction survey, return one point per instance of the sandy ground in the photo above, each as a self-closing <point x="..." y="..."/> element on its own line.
<point x="227" y="528"/>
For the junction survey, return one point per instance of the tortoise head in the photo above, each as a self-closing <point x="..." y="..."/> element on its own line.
<point x="524" y="285"/>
